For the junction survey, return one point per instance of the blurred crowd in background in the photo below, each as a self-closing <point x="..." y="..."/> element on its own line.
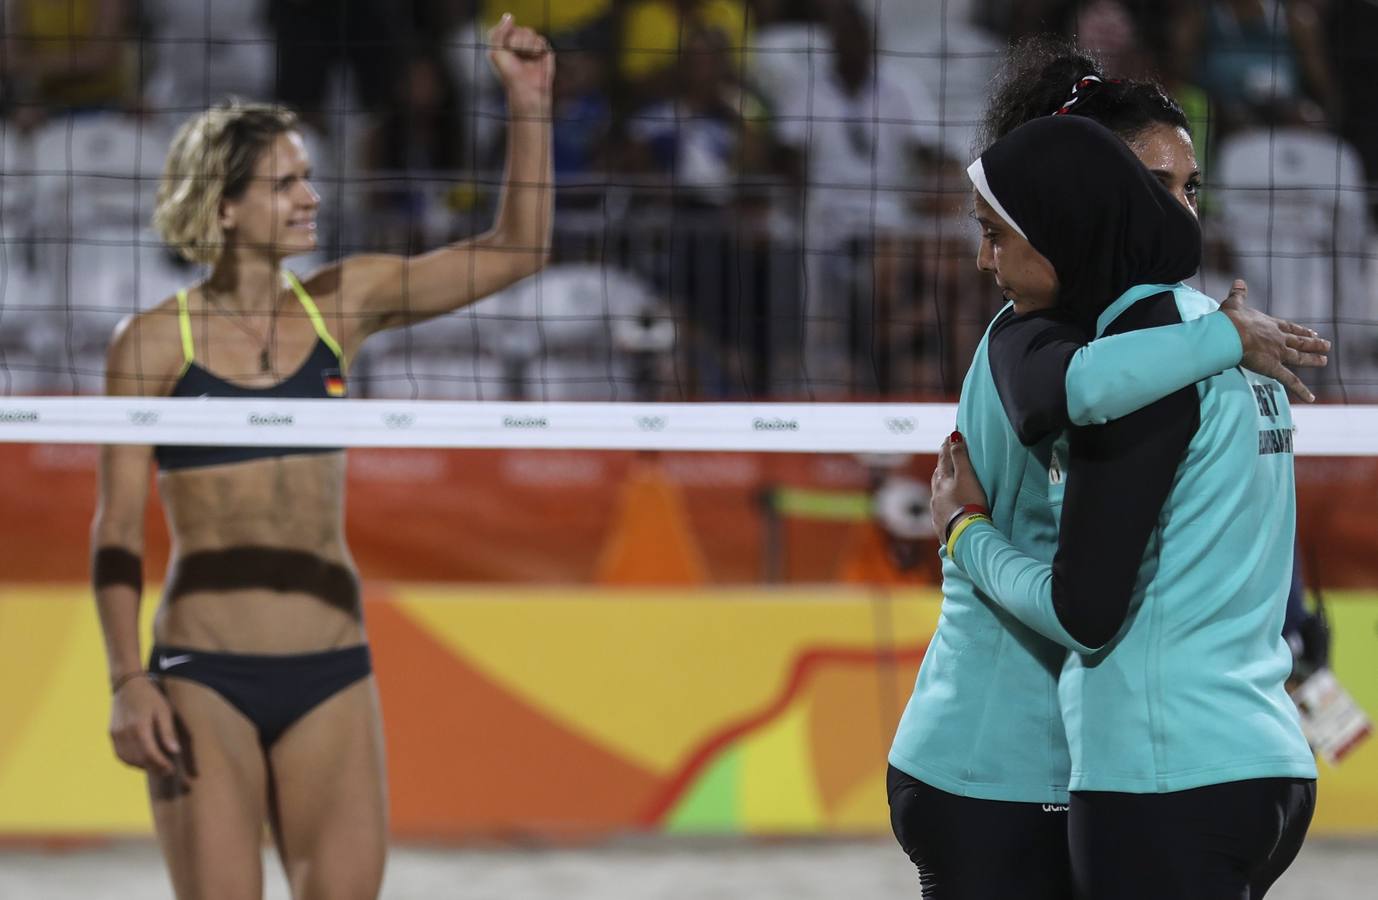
<point x="756" y="198"/>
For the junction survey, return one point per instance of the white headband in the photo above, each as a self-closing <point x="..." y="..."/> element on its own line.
<point x="977" y="173"/>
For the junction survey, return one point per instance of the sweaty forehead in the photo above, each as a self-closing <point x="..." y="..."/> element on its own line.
<point x="1165" y="148"/>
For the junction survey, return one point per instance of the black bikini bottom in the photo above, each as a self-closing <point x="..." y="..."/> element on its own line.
<point x="272" y="691"/>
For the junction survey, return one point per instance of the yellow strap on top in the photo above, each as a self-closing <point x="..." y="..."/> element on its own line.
<point x="184" y="320"/>
<point x="314" y="314"/>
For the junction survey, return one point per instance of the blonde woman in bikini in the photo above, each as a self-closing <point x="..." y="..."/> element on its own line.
<point x="257" y="703"/>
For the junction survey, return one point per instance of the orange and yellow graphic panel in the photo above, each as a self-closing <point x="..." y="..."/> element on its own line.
<point x="580" y="712"/>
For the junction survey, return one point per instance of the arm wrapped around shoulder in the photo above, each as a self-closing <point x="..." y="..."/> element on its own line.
<point x="1029" y="356"/>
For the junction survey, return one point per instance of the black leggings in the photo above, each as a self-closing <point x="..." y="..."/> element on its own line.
<point x="970" y="849"/>
<point x="1219" y="842"/>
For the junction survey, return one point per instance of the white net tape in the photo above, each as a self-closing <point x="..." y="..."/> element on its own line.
<point x="774" y="427"/>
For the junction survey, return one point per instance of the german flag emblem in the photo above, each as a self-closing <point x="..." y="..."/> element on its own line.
<point x="334" y="383"/>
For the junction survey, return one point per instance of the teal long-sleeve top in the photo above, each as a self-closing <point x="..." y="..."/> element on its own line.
<point x="984" y="717"/>
<point x="1168" y="581"/>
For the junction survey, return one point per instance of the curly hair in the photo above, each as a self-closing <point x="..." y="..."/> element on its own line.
<point x="1038" y="78"/>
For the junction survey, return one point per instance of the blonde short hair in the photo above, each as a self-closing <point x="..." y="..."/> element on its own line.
<point x="212" y="159"/>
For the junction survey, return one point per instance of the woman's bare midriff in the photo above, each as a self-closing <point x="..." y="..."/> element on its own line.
<point x="286" y="510"/>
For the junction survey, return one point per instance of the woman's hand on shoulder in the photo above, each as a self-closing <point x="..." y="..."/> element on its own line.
<point x="142" y="727"/>
<point x="1272" y="345"/>
<point x="954" y="484"/>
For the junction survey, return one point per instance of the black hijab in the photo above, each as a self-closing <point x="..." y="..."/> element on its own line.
<point x="1085" y="202"/>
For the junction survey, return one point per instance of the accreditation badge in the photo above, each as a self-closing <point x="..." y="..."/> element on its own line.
<point x="1332" y="722"/>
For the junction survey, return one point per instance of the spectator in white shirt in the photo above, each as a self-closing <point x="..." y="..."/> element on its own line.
<point x="857" y="140"/>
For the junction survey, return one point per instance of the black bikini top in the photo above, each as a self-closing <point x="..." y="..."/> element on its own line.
<point x="320" y="377"/>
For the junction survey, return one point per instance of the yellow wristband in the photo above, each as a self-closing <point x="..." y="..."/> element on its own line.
<point x="961" y="527"/>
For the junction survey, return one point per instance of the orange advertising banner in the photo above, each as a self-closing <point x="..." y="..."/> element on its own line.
<point x="584" y="517"/>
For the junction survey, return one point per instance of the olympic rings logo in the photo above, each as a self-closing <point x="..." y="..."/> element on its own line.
<point x="902" y="425"/>
<point x="399" y="420"/>
<point x="651" y="423"/>
<point x="143" y="417"/>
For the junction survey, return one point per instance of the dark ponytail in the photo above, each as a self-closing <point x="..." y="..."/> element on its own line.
<point x="1039" y="78"/>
